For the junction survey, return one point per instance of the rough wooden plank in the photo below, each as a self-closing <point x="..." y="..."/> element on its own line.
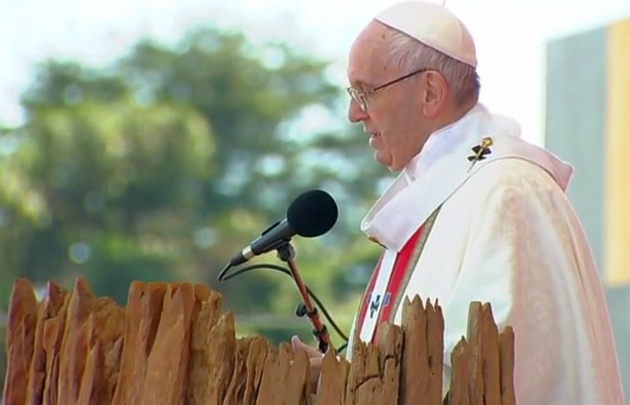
<point x="53" y="336"/>
<point x="490" y="353"/>
<point x="474" y="339"/>
<point x="460" y="358"/>
<point x="202" y="294"/>
<point x="218" y="355"/>
<point x="92" y="386"/>
<point x="106" y="327"/>
<point x="273" y="387"/>
<point x="167" y="365"/>
<point x="355" y="374"/>
<point x="297" y="378"/>
<point x="506" y="352"/>
<point x="334" y="376"/>
<point x="236" y="384"/>
<point x="269" y="380"/>
<point x="91" y="322"/>
<point x="390" y="343"/>
<point x="74" y="344"/>
<point x="21" y="325"/>
<point x="203" y="351"/>
<point x="142" y="318"/>
<point x="49" y="308"/>
<point x="258" y="350"/>
<point x="435" y="352"/>
<point x="70" y="336"/>
<point x="415" y="357"/>
<point x="368" y="389"/>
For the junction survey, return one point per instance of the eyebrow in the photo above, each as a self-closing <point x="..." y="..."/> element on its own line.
<point x="362" y="84"/>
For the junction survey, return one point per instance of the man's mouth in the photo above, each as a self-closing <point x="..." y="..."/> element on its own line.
<point x="374" y="135"/>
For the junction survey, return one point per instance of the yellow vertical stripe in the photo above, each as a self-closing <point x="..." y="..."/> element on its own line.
<point x="617" y="158"/>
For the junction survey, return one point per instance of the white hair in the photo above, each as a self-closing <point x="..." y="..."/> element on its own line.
<point x="409" y="54"/>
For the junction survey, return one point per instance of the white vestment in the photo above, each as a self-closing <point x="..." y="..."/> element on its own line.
<point x="506" y="234"/>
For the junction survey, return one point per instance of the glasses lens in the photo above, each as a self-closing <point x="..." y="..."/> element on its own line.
<point x="357" y="97"/>
<point x="362" y="103"/>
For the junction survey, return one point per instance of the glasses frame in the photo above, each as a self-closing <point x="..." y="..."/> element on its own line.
<point x="361" y="96"/>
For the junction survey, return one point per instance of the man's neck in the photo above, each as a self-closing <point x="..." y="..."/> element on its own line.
<point x="454" y="114"/>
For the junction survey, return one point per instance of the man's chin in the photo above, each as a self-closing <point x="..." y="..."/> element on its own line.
<point x="387" y="162"/>
<point x="382" y="160"/>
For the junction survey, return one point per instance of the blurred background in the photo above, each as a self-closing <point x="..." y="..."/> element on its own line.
<point x="153" y="139"/>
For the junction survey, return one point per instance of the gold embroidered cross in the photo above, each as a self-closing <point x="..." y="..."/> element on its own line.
<point x="480" y="151"/>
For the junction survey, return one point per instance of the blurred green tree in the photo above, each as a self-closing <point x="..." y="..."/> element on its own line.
<point x="164" y="164"/>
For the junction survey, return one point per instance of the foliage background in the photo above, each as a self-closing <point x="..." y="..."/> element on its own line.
<point x="162" y="165"/>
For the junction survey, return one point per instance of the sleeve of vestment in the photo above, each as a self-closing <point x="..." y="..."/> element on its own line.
<point x="518" y="238"/>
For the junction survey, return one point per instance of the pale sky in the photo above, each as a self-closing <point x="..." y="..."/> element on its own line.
<point x="510" y="36"/>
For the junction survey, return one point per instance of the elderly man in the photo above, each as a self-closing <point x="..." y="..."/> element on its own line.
<point x="476" y="213"/>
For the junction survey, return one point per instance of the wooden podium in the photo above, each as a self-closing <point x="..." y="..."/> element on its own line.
<point x="173" y="345"/>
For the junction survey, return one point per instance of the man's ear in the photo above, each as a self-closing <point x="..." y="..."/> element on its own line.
<point x="436" y="92"/>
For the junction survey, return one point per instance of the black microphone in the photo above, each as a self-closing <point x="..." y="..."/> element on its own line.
<point x="311" y="214"/>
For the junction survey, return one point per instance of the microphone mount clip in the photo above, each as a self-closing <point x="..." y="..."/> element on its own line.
<point x="286" y="253"/>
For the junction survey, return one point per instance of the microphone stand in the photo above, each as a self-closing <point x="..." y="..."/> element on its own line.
<point x="286" y="253"/>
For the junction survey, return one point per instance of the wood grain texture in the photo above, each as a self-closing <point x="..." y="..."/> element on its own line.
<point x="173" y="344"/>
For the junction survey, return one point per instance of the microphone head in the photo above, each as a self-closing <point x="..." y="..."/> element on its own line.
<point x="312" y="213"/>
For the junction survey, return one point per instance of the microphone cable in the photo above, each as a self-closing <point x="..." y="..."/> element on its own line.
<point x="301" y="309"/>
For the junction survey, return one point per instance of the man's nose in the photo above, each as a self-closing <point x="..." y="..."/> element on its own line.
<point x="355" y="113"/>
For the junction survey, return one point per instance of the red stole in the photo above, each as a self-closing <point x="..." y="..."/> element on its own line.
<point x="385" y="305"/>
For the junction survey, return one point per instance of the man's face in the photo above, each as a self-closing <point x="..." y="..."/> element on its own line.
<point x="392" y="118"/>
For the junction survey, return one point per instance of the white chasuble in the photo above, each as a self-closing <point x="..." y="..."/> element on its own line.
<point x="505" y="234"/>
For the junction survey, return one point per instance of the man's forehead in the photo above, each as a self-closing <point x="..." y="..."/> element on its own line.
<point x="368" y="54"/>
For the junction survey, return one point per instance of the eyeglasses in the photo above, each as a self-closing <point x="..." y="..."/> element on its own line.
<point x="361" y="96"/>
